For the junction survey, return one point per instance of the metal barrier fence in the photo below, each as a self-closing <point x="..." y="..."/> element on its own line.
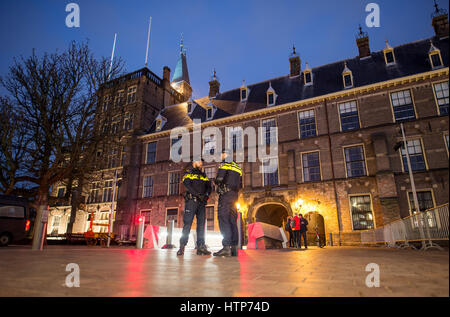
<point x="425" y="228"/>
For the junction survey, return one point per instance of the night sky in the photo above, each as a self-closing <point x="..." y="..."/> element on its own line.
<point x="248" y="40"/>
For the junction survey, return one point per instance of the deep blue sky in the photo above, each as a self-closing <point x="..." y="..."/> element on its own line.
<point x="248" y="40"/>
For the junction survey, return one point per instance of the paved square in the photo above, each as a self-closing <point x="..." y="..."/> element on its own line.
<point x="332" y="271"/>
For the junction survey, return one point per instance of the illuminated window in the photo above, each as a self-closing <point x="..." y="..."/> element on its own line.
<point x="211" y="172"/>
<point x="347" y="77"/>
<point x="416" y="156"/>
<point x="107" y="191"/>
<point x="210" y="218"/>
<point x="403" y="105"/>
<point x="355" y="161"/>
<point x="424" y="198"/>
<point x="307" y="122"/>
<point x="441" y="93"/>
<point x="389" y="56"/>
<point x="361" y="209"/>
<point x="172" y="214"/>
<point x="158" y="124"/>
<point x="348" y="112"/>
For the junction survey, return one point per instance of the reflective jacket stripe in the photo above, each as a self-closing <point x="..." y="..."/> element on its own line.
<point x="232" y="167"/>
<point x="195" y="176"/>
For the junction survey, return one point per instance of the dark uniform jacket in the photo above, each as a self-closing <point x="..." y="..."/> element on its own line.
<point x="229" y="176"/>
<point x="197" y="184"/>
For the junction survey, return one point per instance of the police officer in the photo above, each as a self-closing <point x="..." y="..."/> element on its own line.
<point x="228" y="181"/>
<point x="198" y="189"/>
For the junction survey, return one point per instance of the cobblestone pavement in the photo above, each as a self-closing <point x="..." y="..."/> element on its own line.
<point x="332" y="271"/>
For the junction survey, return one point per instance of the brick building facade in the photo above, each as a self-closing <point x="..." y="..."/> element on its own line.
<point x="337" y="125"/>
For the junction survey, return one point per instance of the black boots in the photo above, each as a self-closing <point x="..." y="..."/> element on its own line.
<point x="234" y="250"/>
<point x="225" y="251"/>
<point x="202" y="250"/>
<point x="181" y="250"/>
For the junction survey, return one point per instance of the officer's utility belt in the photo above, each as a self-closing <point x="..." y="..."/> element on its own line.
<point x="222" y="189"/>
<point x="189" y="196"/>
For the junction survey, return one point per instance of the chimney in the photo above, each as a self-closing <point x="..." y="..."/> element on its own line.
<point x="214" y="85"/>
<point x="440" y="22"/>
<point x="362" y="41"/>
<point x="294" y="61"/>
<point x="166" y="73"/>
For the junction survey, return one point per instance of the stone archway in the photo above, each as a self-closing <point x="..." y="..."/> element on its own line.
<point x="315" y="220"/>
<point x="274" y="209"/>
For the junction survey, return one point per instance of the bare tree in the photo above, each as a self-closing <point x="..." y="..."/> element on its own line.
<point x="54" y="99"/>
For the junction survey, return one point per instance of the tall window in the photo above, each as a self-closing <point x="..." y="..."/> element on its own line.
<point x="269" y="131"/>
<point x="307" y="121"/>
<point x="61" y="192"/>
<point x="424" y="198"/>
<point x="151" y="152"/>
<point x="174" y="183"/>
<point x="115" y="124"/>
<point x="123" y="158"/>
<point x="128" y="122"/>
<point x="354" y="161"/>
<point x="131" y="96"/>
<point x="441" y="92"/>
<point x="311" y="167"/>
<point x="147" y="216"/>
<point x="172" y="214"/>
<point x="235" y="139"/>
<point x="348" y="112"/>
<point x="106" y="103"/>
<point x="95" y="193"/>
<point x="107" y="191"/>
<point x="361" y="209"/>
<point x="209" y="145"/>
<point x="211" y="172"/>
<point x="402" y="105"/>
<point x="210" y="218"/>
<point x="270" y="174"/>
<point x="415" y="155"/>
<point x="148" y="186"/>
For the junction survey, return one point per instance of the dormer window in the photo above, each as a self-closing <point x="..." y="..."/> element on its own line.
<point x="189" y="107"/>
<point x="347" y="77"/>
<point x="307" y="74"/>
<point x="435" y="56"/>
<point x="389" y="56"/>
<point x="271" y="96"/>
<point x="210" y="110"/>
<point x="244" y="91"/>
<point x="159" y="122"/>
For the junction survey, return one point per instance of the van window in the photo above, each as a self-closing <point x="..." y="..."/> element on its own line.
<point x="12" y="211"/>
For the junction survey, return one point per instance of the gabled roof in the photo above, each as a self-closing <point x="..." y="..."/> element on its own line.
<point x="411" y="58"/>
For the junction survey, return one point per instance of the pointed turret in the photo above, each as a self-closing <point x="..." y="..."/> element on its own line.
<point x="180" y="79"/>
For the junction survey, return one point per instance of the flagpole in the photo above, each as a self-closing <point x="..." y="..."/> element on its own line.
<point x="148" y="40"/>
<point x="112" y="56"/>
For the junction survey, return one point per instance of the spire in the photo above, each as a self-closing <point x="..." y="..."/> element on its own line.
<point x="181" y="70"/>
<point x="214" y="85"/>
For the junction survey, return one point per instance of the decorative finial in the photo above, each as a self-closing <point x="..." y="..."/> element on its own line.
<point x="437" y="11"/>
<point x="293" y="49"/>
<point x="181" y="43"/>
<point x="361" y="33"/>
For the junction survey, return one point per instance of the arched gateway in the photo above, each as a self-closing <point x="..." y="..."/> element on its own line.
<point x="273" y="210"/>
